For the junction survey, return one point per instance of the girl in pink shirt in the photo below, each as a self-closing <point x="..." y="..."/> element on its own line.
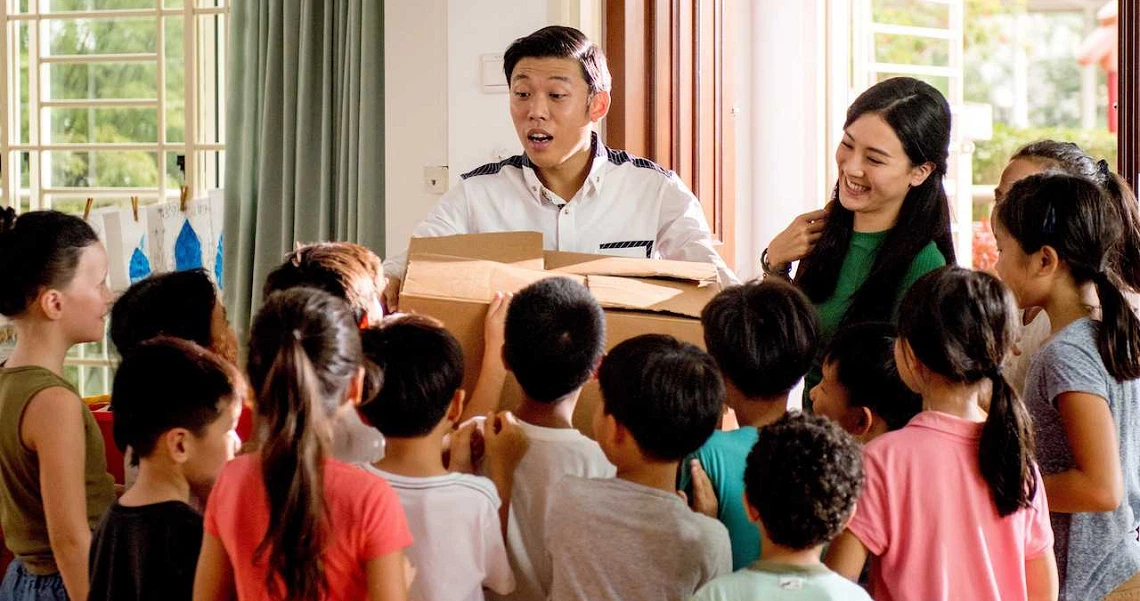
<point x="940" y="523"/>
<point x="289" y="523"/>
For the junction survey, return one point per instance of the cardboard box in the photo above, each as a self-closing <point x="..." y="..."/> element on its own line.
<point x="453" y="279"/>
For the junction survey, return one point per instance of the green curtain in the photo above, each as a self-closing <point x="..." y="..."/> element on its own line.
<point x="304" y="135"/>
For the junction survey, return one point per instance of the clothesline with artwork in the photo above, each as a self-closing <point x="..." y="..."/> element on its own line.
<point x="165" y="236"/>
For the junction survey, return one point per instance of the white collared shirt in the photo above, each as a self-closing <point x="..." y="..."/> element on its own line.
<point x="628" y="206"/>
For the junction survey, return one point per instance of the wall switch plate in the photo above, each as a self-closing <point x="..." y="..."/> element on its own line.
<point x="435" y="179"/>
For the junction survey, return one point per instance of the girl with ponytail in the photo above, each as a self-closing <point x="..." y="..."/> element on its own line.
<point x="953" y="506"/>
<point x="290" y="523"/>
<point x="1059" y="242"/>
<point x="1045" y="155"/>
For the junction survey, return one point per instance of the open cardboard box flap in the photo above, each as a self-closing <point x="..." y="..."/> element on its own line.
<point x="704" y="274"/>
<point x="472" y="267"/>
<point x="455" y="277"/>
<point x="460" y="278"/>
<point x="522" y="249"/>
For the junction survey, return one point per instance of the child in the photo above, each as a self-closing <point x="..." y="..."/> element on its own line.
<point x="762" y="336"/>
<point x="953" y="506"/>
<point x="147" y="545"/>
<point x="353" y="273"/>
<point x="1044" y="155"/>
<point x="53" y="471"/>
<point x="632" y="537"/>
<point x="861" y="389"/>
<point x="182" y="304"/>
<point x="288" y="522"/>
<point x="799" y="506"/>
<point x="553" y="340"/>
<point x="1058" y="238"/>
<point x="454" y="517"/>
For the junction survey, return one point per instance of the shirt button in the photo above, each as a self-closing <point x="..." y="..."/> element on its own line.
<point x="565" y="211"/>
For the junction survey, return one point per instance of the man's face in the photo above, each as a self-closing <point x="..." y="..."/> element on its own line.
<point x="552" y="109"/>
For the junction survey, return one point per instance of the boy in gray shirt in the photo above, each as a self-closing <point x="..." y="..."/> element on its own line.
<point x="1096" y="552"/>
<point x="633" y="537"/>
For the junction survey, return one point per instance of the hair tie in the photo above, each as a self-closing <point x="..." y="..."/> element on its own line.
<point x="297" y="334"/>
<point x="1103" y="169"/>
<point x="994" y="373"/>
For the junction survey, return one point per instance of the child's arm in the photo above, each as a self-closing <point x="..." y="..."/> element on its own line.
<point x="53" y="428"/>
<point x="214" y="578"/>
<point x="385" y="576"/>
<point x="847" y="555"/>
<point x="493" y="373"/>
<point x="505" y="445"/>
<point x="1041" y="577"/>
<point x="1095" y="483"/>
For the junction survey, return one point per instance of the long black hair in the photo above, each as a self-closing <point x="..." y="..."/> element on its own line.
<point x="1072" y="215"/>
<point x="1068" y="157"/>
<point x="304" y="350"/>
<point x="920" y="117"/>
<point x="960" y="325"/>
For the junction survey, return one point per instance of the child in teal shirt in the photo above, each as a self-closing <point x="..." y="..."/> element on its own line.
<point x="762" y="336"/>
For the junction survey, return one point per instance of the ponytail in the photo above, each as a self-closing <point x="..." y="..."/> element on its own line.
<point x="1128" y="260"/>
<point x="1005" y="450"/>
<point x="304" y="352"/>
<point x="1119" y="337"/>
<point x="960" y="325"/>
<point x="292" y="459"/>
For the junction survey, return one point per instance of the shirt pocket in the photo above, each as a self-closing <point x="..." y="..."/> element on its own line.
<point x="634" y="249"/>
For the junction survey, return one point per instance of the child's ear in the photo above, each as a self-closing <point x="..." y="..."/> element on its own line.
<point x="864" y="419"/>
<point x="1045" y="261"/>
<point x="753" y="515"/>
<point x="51" y="303"/>
<point x="354" y="394"/>
<point x="176" y="442"/>
<point x="455" y="409"/>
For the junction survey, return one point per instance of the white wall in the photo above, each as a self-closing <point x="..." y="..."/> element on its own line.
<point x="479" y="124"/>
<point x="415" y="111"/>
<point x="782" y="152"/>
<point x="436" y="112"/>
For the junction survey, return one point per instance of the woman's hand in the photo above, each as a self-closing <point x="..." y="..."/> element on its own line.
<point x="797" y="240"/>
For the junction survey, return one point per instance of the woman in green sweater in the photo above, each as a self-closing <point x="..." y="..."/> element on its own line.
<point x="888" y="222"/>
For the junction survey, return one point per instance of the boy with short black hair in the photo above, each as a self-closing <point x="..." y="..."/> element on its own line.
<point x="554" y="337"/>
<point x="454" y="517"/>
<point x="861" y="389"/>
<point x="146" y="546"/>
<point x="632" y="537"/>
<point x="762" y="336"/>
<point x="799" y="506"/>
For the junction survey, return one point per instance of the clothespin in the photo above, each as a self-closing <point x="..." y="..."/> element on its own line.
<point x="183" y="197"/>
<point x="87" y="209"/>
<point x="135" y="207"/>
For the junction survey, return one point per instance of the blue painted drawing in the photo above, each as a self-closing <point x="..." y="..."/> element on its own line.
<point x="218" y="261"/>
<point x="140" y="265"/>
<point x="187" y="248"/>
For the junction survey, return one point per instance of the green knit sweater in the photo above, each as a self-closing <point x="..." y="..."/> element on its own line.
<point x="857" y="265"/>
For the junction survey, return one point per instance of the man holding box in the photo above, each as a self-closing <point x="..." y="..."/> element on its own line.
<point x="582" y="196"/>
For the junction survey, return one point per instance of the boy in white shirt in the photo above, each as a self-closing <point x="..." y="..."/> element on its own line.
<point x="632" y="537"/>
<point x="553" y="340"/>
<point x="458" y="547"/>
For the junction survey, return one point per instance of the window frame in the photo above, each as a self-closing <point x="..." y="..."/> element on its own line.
<point x="203" y="85"/>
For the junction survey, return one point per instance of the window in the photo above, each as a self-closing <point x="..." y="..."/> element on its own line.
<point x="105" y="100"/>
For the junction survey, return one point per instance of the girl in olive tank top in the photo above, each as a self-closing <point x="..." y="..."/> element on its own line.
<point x="54" y="484"/>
